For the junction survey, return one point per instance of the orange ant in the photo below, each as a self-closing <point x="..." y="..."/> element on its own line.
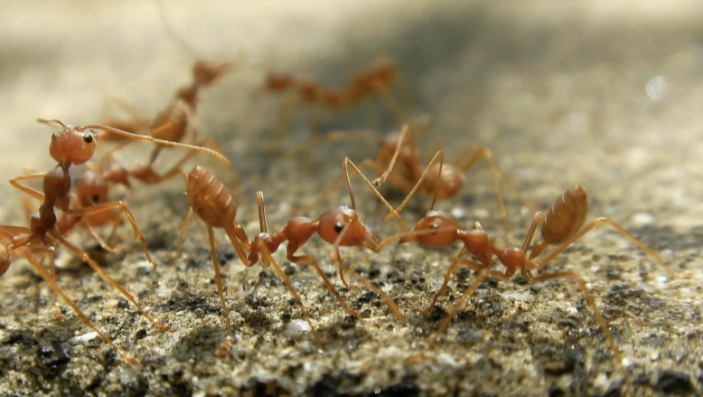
<point x="561" y="227"/>
<point x="339" y="226"/>
<point x="72" y="146"/>
<point x="444" y="179"/>
<point x="375" y="79"/>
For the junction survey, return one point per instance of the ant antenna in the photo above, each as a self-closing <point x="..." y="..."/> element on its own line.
<point x="263" y="224"/>
<point x="439" y="178"/>
<point x="52" y="122"/>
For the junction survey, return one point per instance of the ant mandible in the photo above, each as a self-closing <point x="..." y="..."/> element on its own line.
<point x="561" y="226"/>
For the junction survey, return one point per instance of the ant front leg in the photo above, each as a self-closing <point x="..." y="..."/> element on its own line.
<point x="484" y="153"/>
<point x="311" y="260"/>
<point x="268" y="259"/>
<point x="94" y="265"/>
<point x="87" y="211"/>
<point x="57" y="290"/>
<point x="26" y="189"/>
<point x="452" y="268"/>
<point x="220" y="290"/>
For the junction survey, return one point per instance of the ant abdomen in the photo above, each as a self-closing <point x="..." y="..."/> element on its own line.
<point x="210" y="199"/>
<point x="566" y="216"/>
<point x="91" y="189"/>
<point x="451" y="181"/>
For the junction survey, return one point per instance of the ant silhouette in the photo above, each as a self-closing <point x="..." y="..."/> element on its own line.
<point x="561" y="226"/>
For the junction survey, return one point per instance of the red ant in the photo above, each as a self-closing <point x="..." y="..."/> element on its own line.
<point x="447" y="182"/>
<point x="561" y="227"/>
<point x="72" y="146"/>
<point x="364" y="83"/>
<point x="339" y="226"/>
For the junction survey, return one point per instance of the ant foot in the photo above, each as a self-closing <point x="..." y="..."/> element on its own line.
<point x="162" y="326"/>
<point x="222" y="351"/>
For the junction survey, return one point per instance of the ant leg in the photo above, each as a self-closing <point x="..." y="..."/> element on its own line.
<point x="485" y="153"/>
<point x="87" y="211"/>
<point x="452" y="268"/>
<point x="589" y="298"/>
<point x="26" y="189"/>
<point x="182" y="232"/>
<point x="384" y="175"/>
<point x="438" y="156"/>
<point x="311" y="260"/>
<point x="537" y="248"/>
<point x="268" y="259"/>
<point x="50" y="280"/>
<point x="368" y="163"/>
<point x="86" y="258"/>
<point x="238" y="237"/>
<point x="585" y="230"/>
<point x="84" y="222"/>
<point x="109" y="155"/>
<point x="485" y="273"/>
<point x="348" y="162"/>
<point x="394" y="307"/>
<point x="220" y="290"/>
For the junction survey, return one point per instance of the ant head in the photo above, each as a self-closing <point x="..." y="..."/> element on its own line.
<point x="451" y="180"/>
<point x="73" y="145"/>
<point x="333" y="221"/>
<point x="434" y="220"/>
<point x="206" y="72"/>
<point x="4" y="259"/>
<point x="91" y="188"/>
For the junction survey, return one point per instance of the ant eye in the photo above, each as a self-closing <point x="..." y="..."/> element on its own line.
<point x="54" y="136"/>
<point x="88" y="137"/>
<point x="95" y="198"/>
<point x="338" y="227"/>
<point x="434" y="227"/>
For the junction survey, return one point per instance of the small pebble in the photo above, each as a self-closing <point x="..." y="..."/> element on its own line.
<point x="297" y="328"/>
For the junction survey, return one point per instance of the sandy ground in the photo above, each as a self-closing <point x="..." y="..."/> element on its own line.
<point x="587" y="93"/>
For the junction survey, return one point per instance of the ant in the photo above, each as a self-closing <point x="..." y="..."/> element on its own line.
<point x="446" y="180"/>
<point x="375" y="79"/>
<point x="73" y="146"/>
<point x="561" y="226"/>
<point x="339" y="226"/>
